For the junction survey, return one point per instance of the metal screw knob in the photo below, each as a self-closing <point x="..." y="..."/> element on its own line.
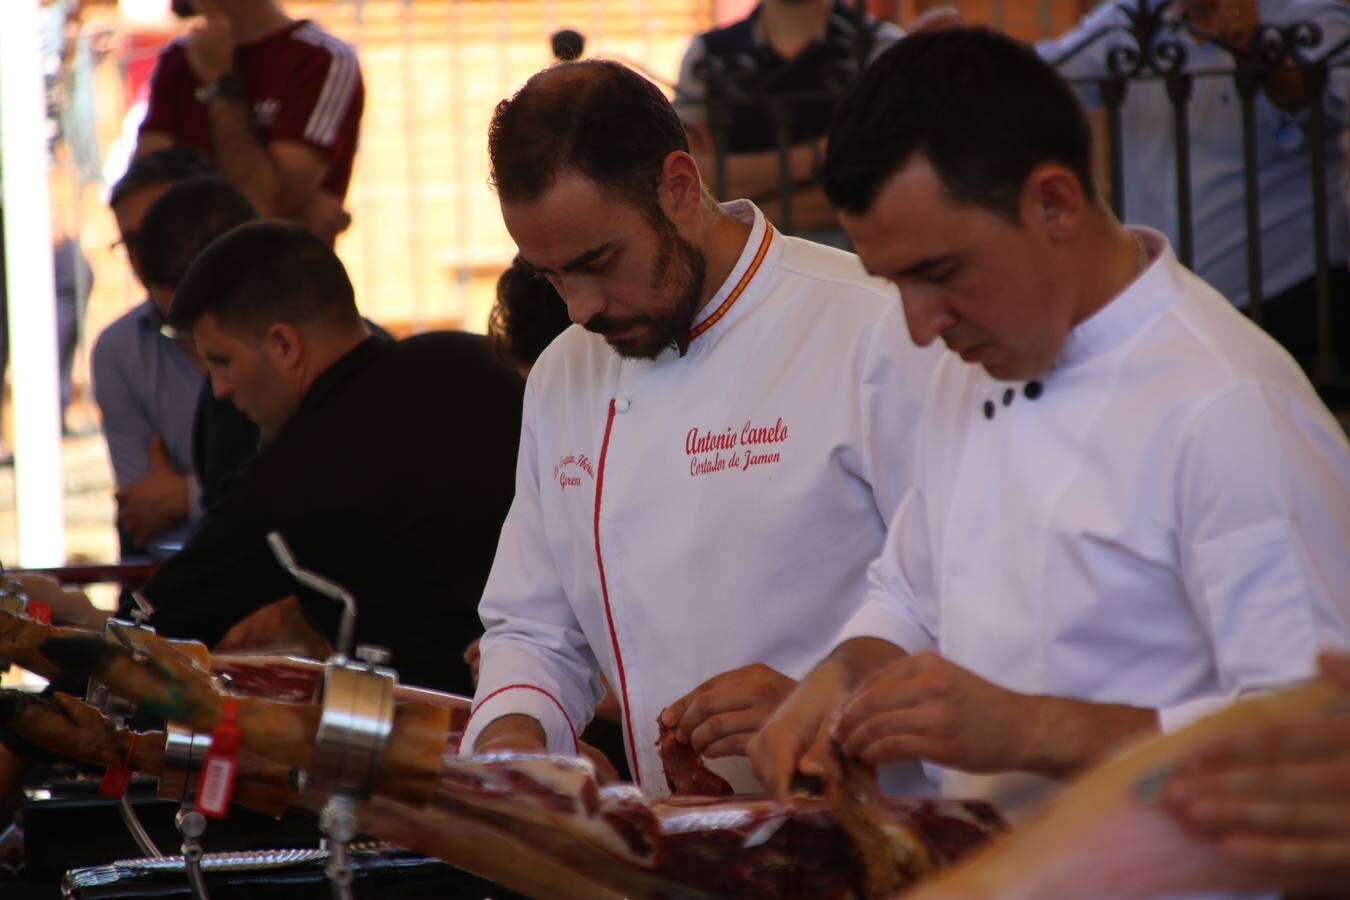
<point x="191" y="823"/>
<point x="373" y="654"/>
<point x="339" y="824"/>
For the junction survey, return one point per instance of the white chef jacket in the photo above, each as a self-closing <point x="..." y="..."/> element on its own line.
<point x="678" y="518"/>
<point x="1167" y="525"/>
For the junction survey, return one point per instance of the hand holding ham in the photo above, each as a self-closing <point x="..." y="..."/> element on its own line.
<point x="1277" y="797"/>
<point x="796" y="738"/>
<point x="928" y="707"/>
<point x="277" y="626"/>
<point x="721" y="715"/>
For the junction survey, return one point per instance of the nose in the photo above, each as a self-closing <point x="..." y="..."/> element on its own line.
<point x="584" y="301"/>
<point x="926" y="314"/>
<point x="220" y="387"/>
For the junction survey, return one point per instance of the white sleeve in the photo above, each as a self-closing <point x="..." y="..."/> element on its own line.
<point x="899" y="606"/>
<point x="1263" y="494"/>
<point x="535" y="658"/>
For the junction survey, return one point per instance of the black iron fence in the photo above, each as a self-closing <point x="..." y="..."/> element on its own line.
<point x="1153" y="42"/>
<point x="1143" y="41"/>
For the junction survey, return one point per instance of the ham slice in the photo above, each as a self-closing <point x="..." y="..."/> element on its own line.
<point x="1104" y="829"/>
<point x="685" y="770"/>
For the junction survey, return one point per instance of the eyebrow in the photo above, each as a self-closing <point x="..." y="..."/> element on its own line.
<point x="922" y="267"/>
<point x="581" y="260"/>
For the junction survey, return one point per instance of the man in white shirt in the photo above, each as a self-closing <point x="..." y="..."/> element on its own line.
<point x="708" y="458"/>
<point x="1129" y="507"/>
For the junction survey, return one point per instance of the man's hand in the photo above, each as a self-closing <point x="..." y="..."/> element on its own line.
<point x="473" y="658"/>
<point x="1277" y="798"/>
<point x="605" y="773"/>
<point x="1232" y="21"/>
<point x="277" y="626"/>
<point x="927" y="707"/>
<point x="324" y="215"/>
<point x="516" y="732"/>
<point x="210" y="46"/>
<point x="796" y="738"/>
<point x="720" y="716"/>
<point x="936" y="18"/>
<point x="157" y="501"/>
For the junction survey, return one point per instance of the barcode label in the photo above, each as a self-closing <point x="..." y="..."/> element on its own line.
<point x="217" y="783"/>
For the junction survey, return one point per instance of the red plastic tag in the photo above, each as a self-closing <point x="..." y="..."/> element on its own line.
<point x="115" y="781"/>
<point x="117" y="778"/>
<point x="40" y="612"/>
<point x="222" y="763"/>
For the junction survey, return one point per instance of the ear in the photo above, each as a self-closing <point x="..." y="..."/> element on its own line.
<point x="1053" y="201"/>
<point x="283" y="346"/>
<point x="680" y="190"/>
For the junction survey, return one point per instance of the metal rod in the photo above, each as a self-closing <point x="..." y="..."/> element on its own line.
<point x="337" y="821"/>
<point x="1325" y="369"/>
<point x="192" y="825"/>
<point x="321" y="585"/>
<point x="1179" y="92"/>
<point x="1113" y="98"/>
<point x="1248" y="83"/>
<point x="138" y="832"/>
<point x="782" y="138"/>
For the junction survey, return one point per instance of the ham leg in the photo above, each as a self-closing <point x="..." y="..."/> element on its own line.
<point x="1104" y="831"/>
<point x="74" y="729"/>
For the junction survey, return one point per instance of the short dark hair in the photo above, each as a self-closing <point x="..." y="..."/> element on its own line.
<point x="527" y="316"/>
<point x="161" y="167"/>
<point x="982" y="108"/>
<point x="596" y="117"/>
<point x="179" y="225"/>
<point x="262" y="273"/>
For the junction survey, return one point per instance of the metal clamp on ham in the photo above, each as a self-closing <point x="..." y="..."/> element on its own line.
<point x="354" y="726"/>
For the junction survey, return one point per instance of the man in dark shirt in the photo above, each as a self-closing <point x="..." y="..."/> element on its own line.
<point x="387" y="467"/>
<point x="800" y="55"/>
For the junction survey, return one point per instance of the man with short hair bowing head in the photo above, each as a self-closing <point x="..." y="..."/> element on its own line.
<point x="1128" y="506"/>
<point x="708" y="457"/>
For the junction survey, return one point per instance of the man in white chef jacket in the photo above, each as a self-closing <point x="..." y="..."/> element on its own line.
<point x="1129" y="507"/>
<point x="709" y="456"/>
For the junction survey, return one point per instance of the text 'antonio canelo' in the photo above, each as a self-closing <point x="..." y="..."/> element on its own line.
<point x="749" y="435"/>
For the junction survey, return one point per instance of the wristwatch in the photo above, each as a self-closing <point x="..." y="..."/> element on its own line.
<point x="229" y="86"/>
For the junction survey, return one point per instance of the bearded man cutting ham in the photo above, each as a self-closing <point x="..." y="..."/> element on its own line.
<point x="710" y="454"/>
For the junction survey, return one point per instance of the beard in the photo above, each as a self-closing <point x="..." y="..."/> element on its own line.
<point x="677" y="277"/>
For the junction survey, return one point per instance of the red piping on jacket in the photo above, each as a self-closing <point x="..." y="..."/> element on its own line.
<point x="523" y="687"/>
<point x="604" y="594"/>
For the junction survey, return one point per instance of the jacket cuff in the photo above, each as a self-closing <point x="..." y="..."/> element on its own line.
<point x="878" y="619"/>
<point x="525" y="700"/>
